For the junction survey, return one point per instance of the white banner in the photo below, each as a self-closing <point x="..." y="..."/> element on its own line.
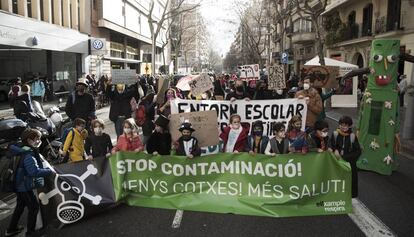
<point x="268" y="111"/>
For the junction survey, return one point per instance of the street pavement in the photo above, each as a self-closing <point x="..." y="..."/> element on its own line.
<point x="385" y="207"/>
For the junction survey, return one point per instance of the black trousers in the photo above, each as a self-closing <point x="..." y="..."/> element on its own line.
<point x="29" y="200"/>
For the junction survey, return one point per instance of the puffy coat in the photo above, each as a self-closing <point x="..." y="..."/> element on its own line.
<point x="128" y="144"/>
<point x="30" y="171"/>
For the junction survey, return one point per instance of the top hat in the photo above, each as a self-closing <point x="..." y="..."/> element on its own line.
<point x="162" y="121"/>
<point x="186" y="126"/>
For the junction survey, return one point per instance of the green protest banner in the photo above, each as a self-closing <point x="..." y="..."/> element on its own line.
<point x="286" y="185"/>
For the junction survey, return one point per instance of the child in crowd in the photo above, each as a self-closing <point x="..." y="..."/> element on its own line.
<point x="345" y="144"/>
<point x="256" y="142"/>
<point x="99" y="143"/>
<point x="160" y="140"/>
<point x="235" y="135"/>
<point x="279" y="144"/>
<point x="318" y="138"/>
<point x="297" y="137"/>
<point x="187" y="145"/>
<point x="129" y="140"/>
<point x="75" y="141"/>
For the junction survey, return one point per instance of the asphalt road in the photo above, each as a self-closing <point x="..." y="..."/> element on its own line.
<point x="389" y="198"/>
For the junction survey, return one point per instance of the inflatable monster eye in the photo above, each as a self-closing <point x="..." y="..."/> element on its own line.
<point x="392" y="58"/>
<point x="377" y="58"/>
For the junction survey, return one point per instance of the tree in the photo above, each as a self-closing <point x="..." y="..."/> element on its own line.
<point x="214" y="60"/>
<point x="313" y="10"/>
<point x="170" y="9"/>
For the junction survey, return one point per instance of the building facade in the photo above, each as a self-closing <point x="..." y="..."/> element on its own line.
<point x="354" y="24"/>
<point x="49" y="38"/>
<point x="125" y="27"/>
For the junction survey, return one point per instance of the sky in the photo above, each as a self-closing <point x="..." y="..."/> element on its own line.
<point x="222" y="22"/>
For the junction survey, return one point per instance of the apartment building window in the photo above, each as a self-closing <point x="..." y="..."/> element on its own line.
<point x="29" y="8"/>
<point x="367" y="20"/>
<point x="393" y="15"/>
<point x="14" y="7"/>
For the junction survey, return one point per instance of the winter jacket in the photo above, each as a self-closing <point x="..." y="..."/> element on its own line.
<point x="159" y="142"/>
<point x="98" y="146"/>
<point x="148" y="125"/>
<point x="76" y="149"/>
<point x="298" y="141"/>
<point x="30" y="171"/>
<point x="342" y="143"/>
<point x="80" y="106"/>
<point x="314" y="105"/>
<point x="38" y="88"/>
<point x="180" y="150"/>
<point x="315" y="142"/>
<point x="120" y="102"/>
<point x="22" y="106"/>
<point x="128" y="144"/>
<point x="251" y="144"/>
<point x="241" y="142"/>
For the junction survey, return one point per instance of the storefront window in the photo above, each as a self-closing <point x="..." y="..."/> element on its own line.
<point x="132" y="53"/>
<point x="117" y="50"/>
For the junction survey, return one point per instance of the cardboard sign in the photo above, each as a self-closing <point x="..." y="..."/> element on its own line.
<point x="276" y="78"/>
<point x="249" y="72"/>
<point x="200" y="84"/>
<point x="124" y="76"/>
<point x="204" y="123"/>
<point x="163" y="84"/>
<point x="321" y="76"/>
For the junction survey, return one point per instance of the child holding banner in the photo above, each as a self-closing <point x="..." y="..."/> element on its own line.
<point x="297" y="138"/>
<point x="318" y="138"/>
<point x="279" y="144"/>
<point x="187" y="145"/>
<point x="257" y="143"/>
<point x="160" y="140"/>
<point x="345" y="145"/>
<point x="129" y="140"/>
<point x="99" y="143"/>
<point x="235" y="136"/>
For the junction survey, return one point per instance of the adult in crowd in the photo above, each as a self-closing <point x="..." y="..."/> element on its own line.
<point x="313" y="100"/>
<point x="29" y="176"/>
<point x="148" y="104"/>
<point x="165" y="108"/>
<point x="239" y="93"/>
<point x="38" y="89"/>
<point x="218" y="88"/>
<point x="325" y="96"/>
<point x="15" y="91"/>
<point x="80" y="103"/>
<point x="129" y="140"/>
<point x="120" y="109"/>
<point x="23" y="103"/>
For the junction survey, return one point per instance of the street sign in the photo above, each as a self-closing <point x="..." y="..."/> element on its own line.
<point x="285" y="58"/>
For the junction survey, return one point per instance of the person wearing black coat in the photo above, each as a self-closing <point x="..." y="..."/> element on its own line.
<point x="148" y="103"/>
<point x="80" y="104"/>
<point x="23" y="104"/>
<point x="160" y="140"/>
<point x="187" y="145"/>
<point x="120" y="109"/>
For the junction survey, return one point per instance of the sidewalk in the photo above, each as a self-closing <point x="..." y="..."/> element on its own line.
<point x="407" y="146"/>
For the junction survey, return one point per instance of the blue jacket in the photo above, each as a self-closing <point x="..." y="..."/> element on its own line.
<point x="30" y="171"/>
<point x="38" y="88"/>
<point x="263" y="144"/>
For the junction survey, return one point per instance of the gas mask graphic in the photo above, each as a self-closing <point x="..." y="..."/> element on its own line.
<point x="71" y="209"/>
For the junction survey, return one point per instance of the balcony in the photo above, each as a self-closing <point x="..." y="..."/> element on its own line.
<point x="301" y="37"/>
<point x="343" y="33"/>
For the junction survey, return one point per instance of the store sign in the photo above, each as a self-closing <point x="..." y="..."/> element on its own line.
<point x="98" y="46"/>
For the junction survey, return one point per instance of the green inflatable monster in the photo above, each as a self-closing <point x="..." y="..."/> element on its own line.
<point x="378" y="125"/>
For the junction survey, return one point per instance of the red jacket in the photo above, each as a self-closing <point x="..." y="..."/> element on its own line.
<point x="241" y="140"/>
<point x="128" y="144"/>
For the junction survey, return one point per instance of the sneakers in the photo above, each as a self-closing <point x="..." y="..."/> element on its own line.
<point x="14" y="232"/>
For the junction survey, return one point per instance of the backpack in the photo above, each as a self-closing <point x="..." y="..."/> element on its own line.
<point x="351" y="136"/>
<point x="65" y="135"/>
<point x="140" y="115"/>
<point x="8" y="170"/>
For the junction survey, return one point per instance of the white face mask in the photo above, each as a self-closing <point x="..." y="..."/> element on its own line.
<point x="279" y="92"/>
<point x="37" y="143"/>
<point x="324" y="134"/>
<point x="98" y="130"/>
<point x="306" y="86"/>
<point x="127" y="130"/>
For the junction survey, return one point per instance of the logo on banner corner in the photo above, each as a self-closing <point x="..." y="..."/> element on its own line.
<point x="71" y="209"/>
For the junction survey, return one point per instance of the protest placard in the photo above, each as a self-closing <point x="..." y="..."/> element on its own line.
<point x="204" y="123"/>
<point x="321" y="76"/>
<point x="124" y="76"/>
<point x="268" y="111"/>
<point x="276" y="78"/>
<point x="163" y="84"/>
<point x="200" y="84"/>
<point x="249" y="72"/>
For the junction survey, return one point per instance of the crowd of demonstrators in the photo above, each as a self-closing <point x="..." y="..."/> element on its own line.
<point x="134" y="109"/>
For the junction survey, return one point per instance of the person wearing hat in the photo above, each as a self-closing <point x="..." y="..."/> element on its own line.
<point x="257" y="142"/>
<point x="120" y="109"/>
<point x="187" y="145"/>
<point x="160" y="140"/>
<point x="98" y="144"/>
<point x="80" y="103"/>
